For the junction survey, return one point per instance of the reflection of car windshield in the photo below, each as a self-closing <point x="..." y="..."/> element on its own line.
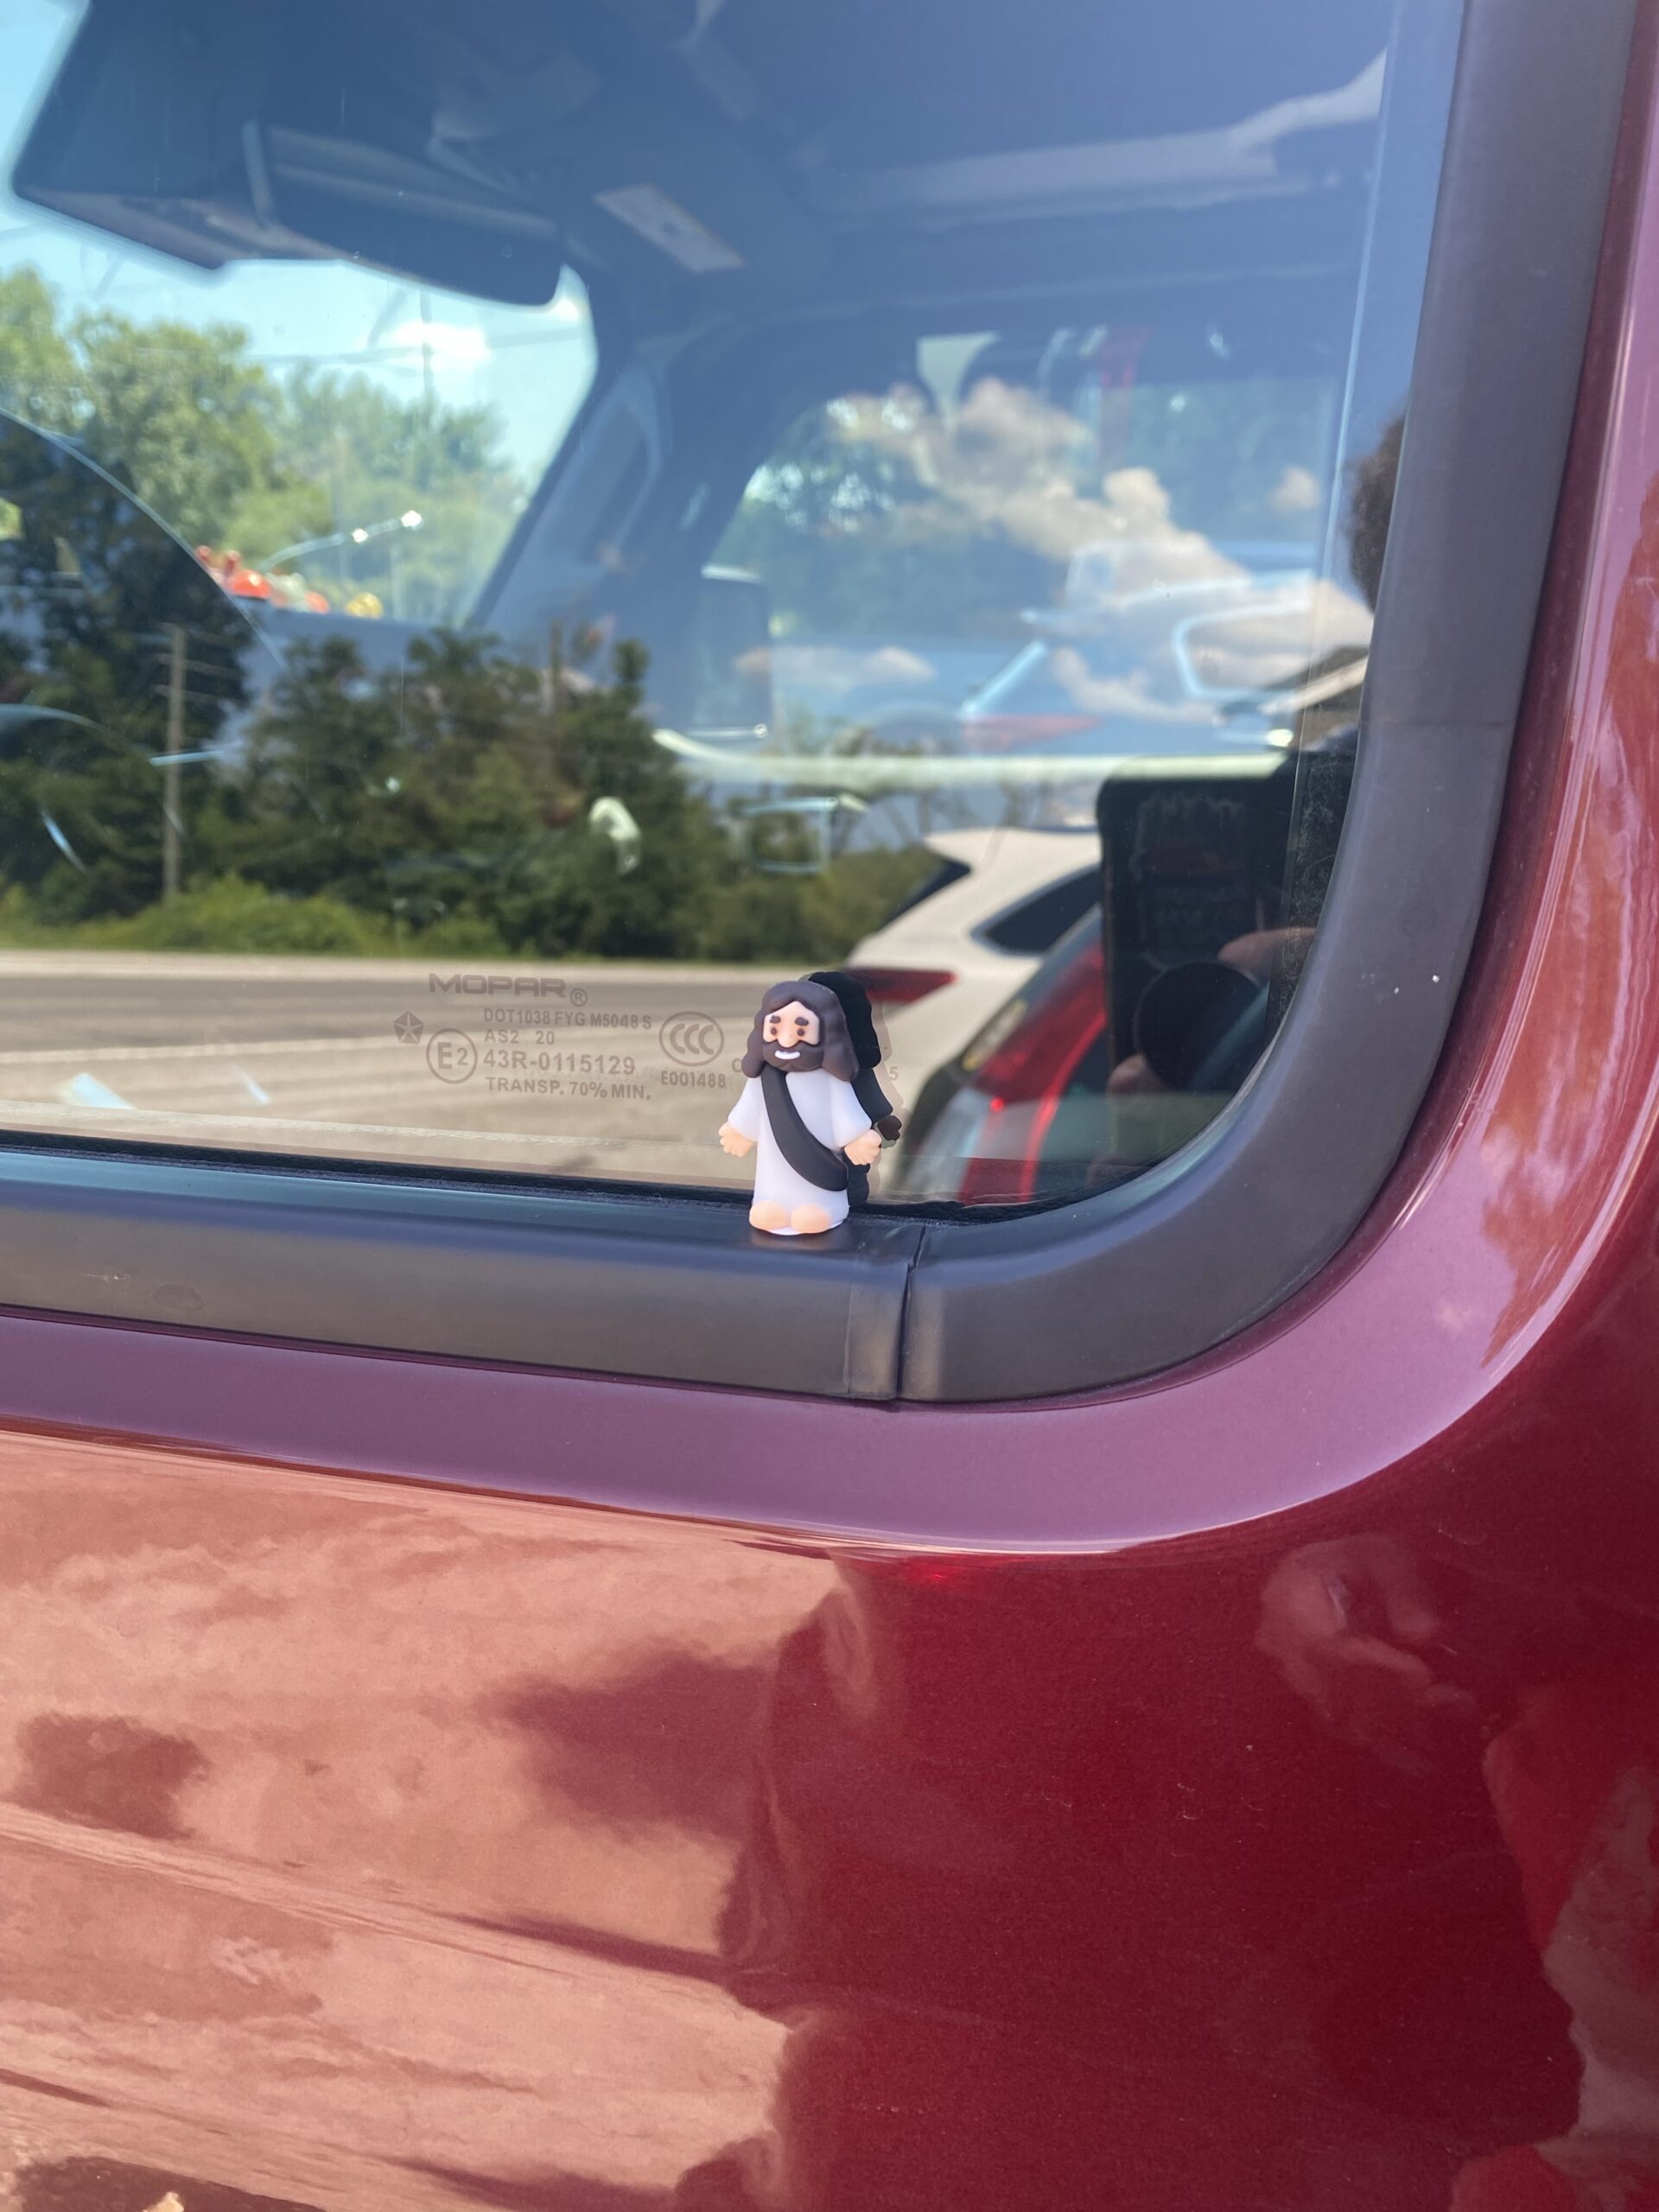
<point x="1047" y="524"/>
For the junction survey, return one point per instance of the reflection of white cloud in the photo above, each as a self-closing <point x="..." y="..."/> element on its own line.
<point x="451" y="345"/>
<point x="1141" y="548"/>
<point x="565" y="308"/>
<point x="1268" y="639"/>
<point x="1111" y="697"/>
<point x="839" y="668"/>
<point x="1297" y="493"/>
<point x="1010" y="460"/>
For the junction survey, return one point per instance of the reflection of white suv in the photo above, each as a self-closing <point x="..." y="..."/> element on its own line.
<point x="942" y="963"/>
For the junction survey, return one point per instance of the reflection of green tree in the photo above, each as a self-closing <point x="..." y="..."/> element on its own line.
<point x="38" y="372"/>
<point x="180" y="414"/>
<point x="456" y="792"/>
<point x="228" y="455"/>
<point x="350" y="450"/>
<point x="459" y="785"/>
<point x="355" y="810"/>
<point x="807" y="920"/>
<point x="851" y="540"/>
<point x="880" y="518"/>
<point x="1239" y="459"/>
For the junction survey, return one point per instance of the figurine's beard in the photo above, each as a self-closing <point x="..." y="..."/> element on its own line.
<point x="801" y="1059"/>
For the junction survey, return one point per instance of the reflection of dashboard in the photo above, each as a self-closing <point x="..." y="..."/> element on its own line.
<point x="870" y="775"/>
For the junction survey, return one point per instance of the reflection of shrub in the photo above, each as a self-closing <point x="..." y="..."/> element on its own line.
<point x="443" y="806"/>
<point x="231" y="916"/>
<point x="456" y="792"/>
<point x="793" y="919"/>
<point x="808" y="918"/>
<point x="446" y="804"/>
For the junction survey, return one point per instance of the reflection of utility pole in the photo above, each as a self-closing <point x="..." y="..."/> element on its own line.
<point x="177" y="648"/>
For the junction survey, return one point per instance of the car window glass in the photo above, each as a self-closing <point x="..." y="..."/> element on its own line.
<point x="609" y="543"/>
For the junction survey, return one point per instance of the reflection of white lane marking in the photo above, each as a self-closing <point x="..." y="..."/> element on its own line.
<point x="87" y="1091"/>
<point x="34" y="1110"/>
<point x="593" y="1040"/>
<point x="124" y="1052"/>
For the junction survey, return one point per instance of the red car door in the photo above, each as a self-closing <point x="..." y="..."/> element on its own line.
<point x="519" y="1689"/>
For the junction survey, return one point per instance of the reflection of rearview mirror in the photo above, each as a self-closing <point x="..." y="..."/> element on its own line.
<point x="305" y="131"/>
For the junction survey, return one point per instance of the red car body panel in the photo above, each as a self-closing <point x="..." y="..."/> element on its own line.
<point x="430" y="1785"/>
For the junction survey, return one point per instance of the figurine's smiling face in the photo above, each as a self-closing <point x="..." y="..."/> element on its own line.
<point x="791" y="1038"/>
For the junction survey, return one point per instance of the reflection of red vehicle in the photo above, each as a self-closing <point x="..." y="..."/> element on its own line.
<point x="244" y="582"/>
<point x="1027" y="1090"/>
<point x="1030" y="1109"/>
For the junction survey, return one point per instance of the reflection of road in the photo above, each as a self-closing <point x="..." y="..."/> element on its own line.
<point x="498" y="1069"/>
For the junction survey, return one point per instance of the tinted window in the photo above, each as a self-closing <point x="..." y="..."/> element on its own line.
<point x="519" y="529"/>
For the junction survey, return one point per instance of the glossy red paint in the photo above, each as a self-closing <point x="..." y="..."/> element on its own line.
<point x="427" y="1785"/>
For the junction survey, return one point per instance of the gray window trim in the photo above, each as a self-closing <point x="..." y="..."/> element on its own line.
<point x="1136" y="1279"/>
<point x="607" y="1281"/>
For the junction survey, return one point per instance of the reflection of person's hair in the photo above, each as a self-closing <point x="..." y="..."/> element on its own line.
<point x="1370" y="504"/>
<point x="836" y="1046"/>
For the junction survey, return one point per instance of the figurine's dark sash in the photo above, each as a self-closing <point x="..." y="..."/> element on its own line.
<point x="867" y="1088"/>
<point x="811" y="1159"/>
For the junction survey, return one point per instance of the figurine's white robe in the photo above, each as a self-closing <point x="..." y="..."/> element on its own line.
<point x="830" y="1109"/>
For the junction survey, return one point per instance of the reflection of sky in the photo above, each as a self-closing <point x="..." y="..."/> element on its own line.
<point x="529" y="364"/>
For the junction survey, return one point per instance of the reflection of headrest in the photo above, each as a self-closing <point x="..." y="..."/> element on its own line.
<point x="1200" y="1027"/>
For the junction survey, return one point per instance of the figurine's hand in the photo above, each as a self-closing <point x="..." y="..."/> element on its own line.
<point x="733" y="1142"/>
<point x="865" y="1149"/>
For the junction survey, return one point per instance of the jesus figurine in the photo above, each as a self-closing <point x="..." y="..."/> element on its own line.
<point x="800" y="1107"/>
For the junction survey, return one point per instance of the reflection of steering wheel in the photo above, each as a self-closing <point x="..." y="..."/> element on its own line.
<point x="1202" y="1025"/>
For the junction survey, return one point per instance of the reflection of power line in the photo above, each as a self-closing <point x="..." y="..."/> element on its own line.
<point x="410" y="519"/>
<point x="227" y="670"/>
<point x="177" y="649"/>
<point x="176" y="690"/>
<point x="177" y="662"/>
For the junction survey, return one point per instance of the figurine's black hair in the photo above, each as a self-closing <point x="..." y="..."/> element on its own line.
<point x="839" y="1056"/>
<point x="855" y="1002"/>
<point x="861" y="1027"/>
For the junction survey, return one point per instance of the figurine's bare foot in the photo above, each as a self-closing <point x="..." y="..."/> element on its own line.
<point x="766" y="1213"/>
<point x="807" y="1221"/>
